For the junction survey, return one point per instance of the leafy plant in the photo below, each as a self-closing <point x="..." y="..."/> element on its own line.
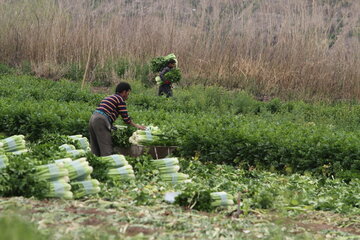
<point x="195" y="197"/>
<point x="158" y="63"/>
<point x="174" y="75"/>
<point x="19" y="179"/>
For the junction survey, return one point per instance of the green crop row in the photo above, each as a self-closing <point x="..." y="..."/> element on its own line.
<point x="36" y="118"/>
<point x="291" y="137"/>
<point x="22" y="88"/>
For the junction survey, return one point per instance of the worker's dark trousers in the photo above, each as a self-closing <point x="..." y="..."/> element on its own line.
<point x="166" y="90"/>
<point x="100" y="135"/>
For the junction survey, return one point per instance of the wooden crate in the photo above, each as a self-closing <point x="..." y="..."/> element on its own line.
<point x="155" y="151"/>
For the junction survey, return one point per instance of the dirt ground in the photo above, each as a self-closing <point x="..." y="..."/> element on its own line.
<point x="125" y="220"/>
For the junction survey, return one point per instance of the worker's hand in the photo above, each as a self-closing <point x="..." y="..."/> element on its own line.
<point x="140" y="127"/>
<point x="137" y="126"/>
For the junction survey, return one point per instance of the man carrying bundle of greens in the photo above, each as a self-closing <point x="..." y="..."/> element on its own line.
<point x="166" y="87"/>
<point x="104" y="116"/>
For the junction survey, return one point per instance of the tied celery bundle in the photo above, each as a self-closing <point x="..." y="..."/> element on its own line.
<point x="59" y="189"/>
<point x="67" y="147"/>
<point x="63" y="160"/>
<point x="84" y="178"/>
<point x="71" y="151"/>
<point x="4" y="161"/>
<point x="158" y="63"/>
<point x="81" y="142"/>
<point x="110" y="168"/>
<point x="83" y="188"/>
<point x="14" y="143"/>
<point x="169" y="169"/>
<point x="165" y="162"/>
<point x="221" y="199"/>
<point x="73" y="137"/>
<point x="78" y="169"/>
<point x="122" y="173"/>
<point x="75" y="153"/>
<point x="114" y="161"/>
<point x="51" y="171"/>
<point x="57" y="177"/>
<point x="166" y="165"/>
<point x="174" y="178"/>
<point x="19" y="152"/>
<point x="151" y="136"/>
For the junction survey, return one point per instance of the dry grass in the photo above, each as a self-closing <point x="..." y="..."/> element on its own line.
<point x="288" y="48"/>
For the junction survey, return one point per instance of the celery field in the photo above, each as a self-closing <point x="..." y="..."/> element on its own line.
<point x="290" y="168"/>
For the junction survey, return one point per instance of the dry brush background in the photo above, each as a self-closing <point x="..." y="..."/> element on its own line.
<point x="287" y="48"/>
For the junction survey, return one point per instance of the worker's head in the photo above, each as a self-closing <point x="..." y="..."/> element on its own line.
<point x="171" y="63"/>
<point x="123" y="89"/>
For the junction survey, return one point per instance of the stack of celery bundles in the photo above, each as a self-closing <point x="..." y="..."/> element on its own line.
<point x="57" y="177"/>
<point x="119" y="168"/>
<point x="79" y="173"/>
<point x="81" y="142"/>
<point x="78" y="169"/>
<point x="14" y="144"/>
<point x="221" y="199"/>
<point x="60" y="189"/>
<point x="114" y="161"/>
<point x="71" y="151"/>
<point x="168" y="168"/>
<point x="151" y="136"/>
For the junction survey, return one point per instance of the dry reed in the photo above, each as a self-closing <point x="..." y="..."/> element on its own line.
<point x="286" y="48"/>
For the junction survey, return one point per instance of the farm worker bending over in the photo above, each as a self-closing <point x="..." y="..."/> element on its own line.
<point x="104" y="116"/>
<point x="165" y="87"/>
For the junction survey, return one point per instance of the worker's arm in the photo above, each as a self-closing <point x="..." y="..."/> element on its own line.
<point x="137" y="125"/>
<point x="162" y="73"/>
<point x="124" y="115"/>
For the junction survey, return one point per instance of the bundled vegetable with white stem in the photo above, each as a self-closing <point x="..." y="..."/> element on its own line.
<point x="114" y="161"/>
<point x="51" y="171"/>
<point x="151" y="136"/>
<point x="122" y="173"/>
<point x="4" y="161"/>
<point x="83" y="188"/>
<point x="174" y="177"/>
<point x="13" y="143"/>
<point x="75" y="153"/>
<point x="78" y="169"/>
<point x="67" y="147"/>
<point x="59" y="189"/>
<point x="221" y="199"/>
<point x="81" y="142"/>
